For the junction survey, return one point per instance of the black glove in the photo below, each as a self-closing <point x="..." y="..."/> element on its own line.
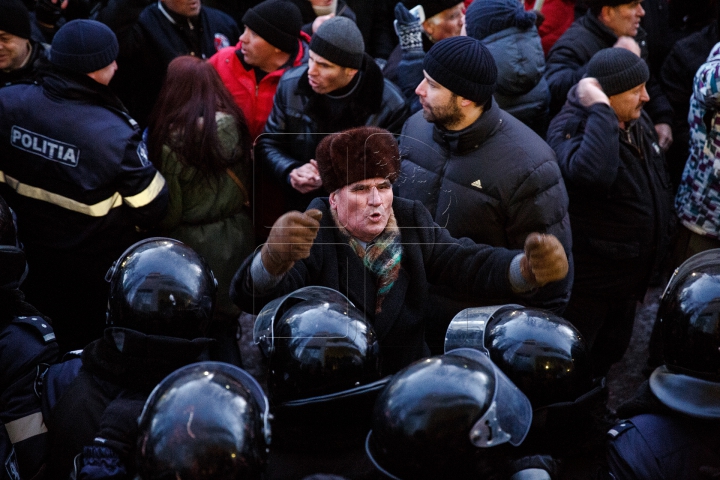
<point x="408" y="29"/>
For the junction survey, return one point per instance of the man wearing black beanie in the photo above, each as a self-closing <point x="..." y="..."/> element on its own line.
<point x="620" y="198"/>
<point x="76" y="171"/>
<point x="20" y="56"/>
<point x="480" y="172"/>
<point x="341" y="87"/>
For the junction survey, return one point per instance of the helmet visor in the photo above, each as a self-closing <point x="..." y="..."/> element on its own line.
<point x="467" y="328"/>
<point x="509" y="416"/>
<point x="263" y="330"/>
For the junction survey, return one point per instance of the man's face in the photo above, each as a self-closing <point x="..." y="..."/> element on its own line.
<point x="13" y="51"/>
<point x="186" y="8"/>
<point x="255" y="49"/>
<point x="624" y="19"/>
<point x="440" y="105"/>
<point x="321" y="3"/>
<point x="325" y="76"/>
<point x="628" y="105"/>
<point x="364" y="207"/>
<point x="446" y="24"/>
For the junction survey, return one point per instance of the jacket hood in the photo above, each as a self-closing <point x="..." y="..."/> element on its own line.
<point x="519" y="58"/>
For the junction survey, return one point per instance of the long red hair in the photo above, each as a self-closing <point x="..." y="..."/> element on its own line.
<point x="192" y="91"/>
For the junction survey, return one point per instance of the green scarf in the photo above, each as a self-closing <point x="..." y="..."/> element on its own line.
<point x="382" y="256"/>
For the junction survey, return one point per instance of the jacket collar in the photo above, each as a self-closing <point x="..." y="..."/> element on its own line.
<point x="470" y="138"/>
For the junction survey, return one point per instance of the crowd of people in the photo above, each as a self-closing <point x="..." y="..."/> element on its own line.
<point x="440" y="215"/>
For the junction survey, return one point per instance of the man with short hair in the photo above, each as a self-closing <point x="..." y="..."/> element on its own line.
<point x="341" y="87"/>
<point x="270" y="44"/>
<point x="480" y="172"/>
<point x="167" y="29"/>
<point x="75" y="169"/>
<point x="607" y="23"/>
<point x="20" y="56"/>
<point x="620" y="198"/>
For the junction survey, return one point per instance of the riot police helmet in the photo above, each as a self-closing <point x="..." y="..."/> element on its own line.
<point x="160" y="286"/>
<point x="205" y="421"/>
<point x="438" y="416"/>
<point x="542" y="353"/>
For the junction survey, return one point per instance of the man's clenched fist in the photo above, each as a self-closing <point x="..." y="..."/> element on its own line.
<point x="290" y="240"/>
<point x="545" y="260"/>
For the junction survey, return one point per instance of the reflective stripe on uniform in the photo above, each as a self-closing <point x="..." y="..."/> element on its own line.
<point x="147" y="195"/>
<point x="26" y="427"/>
<point x="99" y="209"/>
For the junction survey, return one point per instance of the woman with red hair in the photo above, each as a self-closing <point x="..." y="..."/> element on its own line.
<point x="198" y="139"/>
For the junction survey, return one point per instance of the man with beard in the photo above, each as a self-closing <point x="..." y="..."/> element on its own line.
<point x="480" y="172"/>
<point x="340" y="87"/>
<point x="620" y="197"/>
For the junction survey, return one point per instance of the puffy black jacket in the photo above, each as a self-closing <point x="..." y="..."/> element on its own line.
<point x="620" y="197"/>
<point x="494" y="182"/>
<point x="157" y="38"/>
<point x="567" y="64"/>
<point x="300" y="118"/>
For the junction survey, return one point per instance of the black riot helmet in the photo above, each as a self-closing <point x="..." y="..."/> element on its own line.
<point x="689" y="322"/>
<point x="160" y="286"/>
<point x="689" y="317"/>
<point x="543" y="354"/>
<point x="438" y="416"/>
<point x="317" y="343"/>
<point x="205" y="421"/>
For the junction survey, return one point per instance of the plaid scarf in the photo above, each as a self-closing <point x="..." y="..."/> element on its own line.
<point x="382" y="256"/>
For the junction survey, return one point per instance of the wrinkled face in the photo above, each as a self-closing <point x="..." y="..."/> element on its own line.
<point x="186" y="8"/>
<point x="104" y="75"/>
<point x="440" y="105"/>
<point x="446" y="24"/>
<point x="255" y="49"/>
<point x="624" y="19"/>
<point x="325" y="76"/>
<point x="13" y="51"/>
<point x="628" y="105"/>
<point x="364" y="207"/>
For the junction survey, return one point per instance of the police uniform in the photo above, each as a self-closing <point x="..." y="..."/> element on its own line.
<point x="27" y="346"/>
<point x="74" y="168"/>
<point x="663" y="447"/>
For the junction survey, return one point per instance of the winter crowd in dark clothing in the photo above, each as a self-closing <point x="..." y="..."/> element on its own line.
<point x="561" y="169"/>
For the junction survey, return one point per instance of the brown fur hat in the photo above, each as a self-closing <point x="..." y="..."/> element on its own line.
<point x="357" y="154"/>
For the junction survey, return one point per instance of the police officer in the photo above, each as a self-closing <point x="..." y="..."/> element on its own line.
<point x="27" y="342"/>
<point x="673" y="422"/>
<point x="74" y="168"/>
<point x="160" y="307"/>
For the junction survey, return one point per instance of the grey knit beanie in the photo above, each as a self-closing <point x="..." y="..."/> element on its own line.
<point x="617" y="70"/>
<point x="339" y="40"/>
<point x="464" y="66"/>
<point x="84" y="46"/>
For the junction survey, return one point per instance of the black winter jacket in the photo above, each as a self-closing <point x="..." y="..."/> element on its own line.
<point x="157" y="38"/>
<point x="494" y="182"/>
<point x="429" y="254"/>
<point x="620" y="198"/>
<point x="567" y="64"/>
<point x="122" y="366"/>
<point x="300" y="118"/>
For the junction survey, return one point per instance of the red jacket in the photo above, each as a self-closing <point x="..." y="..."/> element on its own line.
<point x="254" y="99"/>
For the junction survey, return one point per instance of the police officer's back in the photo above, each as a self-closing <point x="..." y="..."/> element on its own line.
<point x="74" y="168"/>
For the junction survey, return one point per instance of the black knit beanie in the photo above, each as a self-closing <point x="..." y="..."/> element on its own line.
<point x="84" y="46"/>
<point x="14" y="18"/>
<point x="464" y="66"/>
<point x="617" y="70"/>
<point x="605" y="3"/>
<point x="339" y="40"/>
<point x="278" y="22"/>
